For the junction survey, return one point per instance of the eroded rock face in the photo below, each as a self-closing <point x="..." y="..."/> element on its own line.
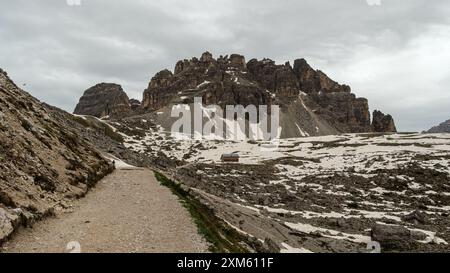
<point x="311" y="103"/>
<point x="383" y="123"/>
<point x="279" y="79"/>
<point x="135" y="104"/>
<point x="441" y="128"/>
<point x="207" y="57"/>
<point x="43" y="163"/>
<point x="159" y="90"/>
<point x="222" y="82"/>
<point x="314" y="81"/>
<point x="346" y="112"/>
<point x="104" y="99"/>
<point x="230" y="81"/>
<point x="237" y="61"/>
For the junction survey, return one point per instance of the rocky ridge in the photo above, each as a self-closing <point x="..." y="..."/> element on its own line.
<point x="311" y="103"/>
<point x="308" y="97"/>
<point x="43" y="163"/>
<point x="441" y="128"/>
<point x="104" y="99"/>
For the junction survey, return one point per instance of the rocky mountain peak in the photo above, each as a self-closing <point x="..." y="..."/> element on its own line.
<point x="229" y="80"/>
<point x="104" y="99"/>
<point x="207" y="57"/>
<point x="441" y="128"/>
<point x="104" y="87"/>
<point x="383" y="123"/>
<point x="315" y="80"/>
<point x="161" y="79"/>
<point x="307" y="97"/>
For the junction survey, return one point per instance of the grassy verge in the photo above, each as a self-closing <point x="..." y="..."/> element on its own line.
<point x="99" y="126"/>
<point x="222" y="238"/>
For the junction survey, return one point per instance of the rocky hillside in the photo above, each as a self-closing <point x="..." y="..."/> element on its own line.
<point x="43" y="162"/>
<point x="441" y="128"/>
<point x="104" y="99"/>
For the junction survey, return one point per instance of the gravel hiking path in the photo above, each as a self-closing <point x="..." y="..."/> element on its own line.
<point x="128" y="211"/>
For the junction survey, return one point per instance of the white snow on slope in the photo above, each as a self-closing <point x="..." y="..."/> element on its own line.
<point x="120" y="165"/>
<point x="305" y="228"/>
<point x="290" y="249"/>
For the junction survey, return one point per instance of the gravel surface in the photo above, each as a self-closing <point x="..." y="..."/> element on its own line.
<point x="128" y="211"/>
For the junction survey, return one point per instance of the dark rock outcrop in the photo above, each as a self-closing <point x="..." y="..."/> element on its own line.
<point x="441" y="128"/>
<point x="237" y="61"/>
<point x="337" y="104"/>
<point x="395" y="238"/>
<point x="382" y="123"/>
<point x="104" y="99"/>
<point x="43" y="162"/>
<point x="311" y="103"/>
<point x="159" y="91"/>
<point x="279" y="79"/>
<point x="320" y="101"/>
<point x="135" y="104"/>
<point x="344" y="111"/>
<point x="222" y="82"/>
<point x="311" y="80"/>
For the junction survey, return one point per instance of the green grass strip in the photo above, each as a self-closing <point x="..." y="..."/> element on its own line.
<point x="222" y="238"/>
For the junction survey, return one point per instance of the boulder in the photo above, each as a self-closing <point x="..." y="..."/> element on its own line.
<point x="270" y="246"/>
<point x="6" y="224"/>
<point x="392" y="238"/>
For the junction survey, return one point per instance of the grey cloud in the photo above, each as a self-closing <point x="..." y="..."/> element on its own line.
<point x="381" y="51"/>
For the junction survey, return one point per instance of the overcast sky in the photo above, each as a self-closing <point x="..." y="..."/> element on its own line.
<point x="396" y="54"/>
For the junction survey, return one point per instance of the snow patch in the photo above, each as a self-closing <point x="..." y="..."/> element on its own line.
<point x="334" y="234"/>
<point x="119" y="164"/>
<point x="290" y="249"/>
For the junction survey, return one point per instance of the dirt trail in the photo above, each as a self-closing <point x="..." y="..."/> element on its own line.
<point x="128" y="211"/>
